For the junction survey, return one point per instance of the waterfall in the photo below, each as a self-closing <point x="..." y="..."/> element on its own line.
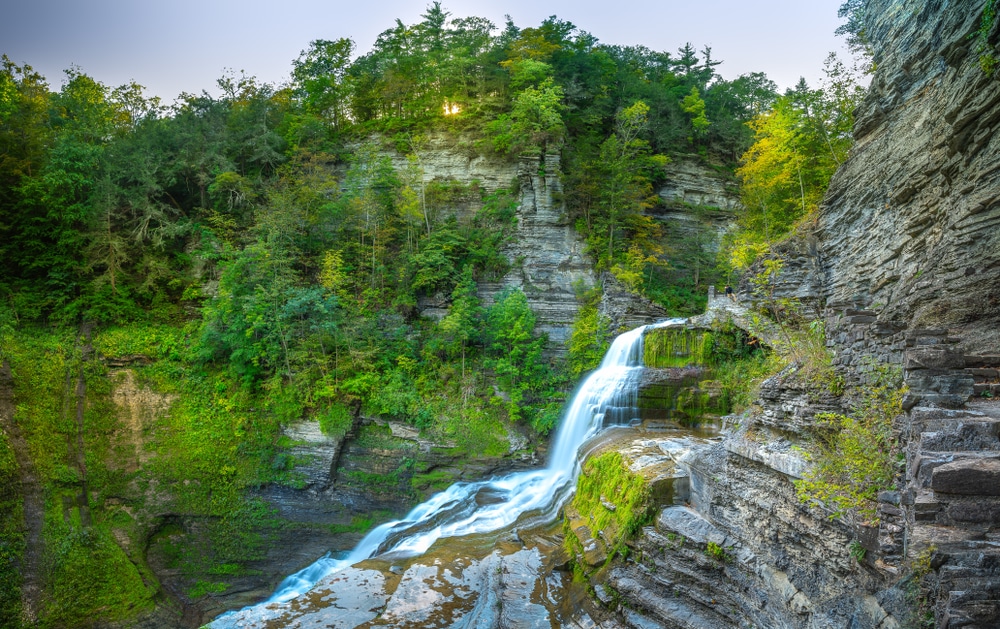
<point x="606" y="397"/>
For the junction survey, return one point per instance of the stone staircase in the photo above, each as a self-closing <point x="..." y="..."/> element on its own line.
<point x="952" y="505"/>
<point x="985" y="372"/>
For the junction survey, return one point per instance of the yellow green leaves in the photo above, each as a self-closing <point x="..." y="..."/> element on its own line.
<point x="695" y="107"/>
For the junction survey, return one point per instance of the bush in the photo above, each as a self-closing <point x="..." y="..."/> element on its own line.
<point x="860" y="455"/>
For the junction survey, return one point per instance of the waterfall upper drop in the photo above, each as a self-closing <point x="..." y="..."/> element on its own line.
<point x="606" y="397"/>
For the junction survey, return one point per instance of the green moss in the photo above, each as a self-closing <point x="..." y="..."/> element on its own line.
<point x="212" y="443"/>
<point x="88" y="576"/>
<point x="358" y="524"/>
<point x="379" y="437"/>
<point x="606" y="479"/>
<point x="11" y="537"/>
<point x="204" y="588"/>
<point x="437" y="480"/>
<point x="674" y="347"/>
<point x="375" y="483"/>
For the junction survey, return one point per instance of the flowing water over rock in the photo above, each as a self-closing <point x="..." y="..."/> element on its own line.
<point x="456" y="559"/>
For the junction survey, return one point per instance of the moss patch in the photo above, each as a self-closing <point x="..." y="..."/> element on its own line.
<point x="614" y="502"/>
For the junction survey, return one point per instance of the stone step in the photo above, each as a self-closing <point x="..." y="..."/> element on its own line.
<point x="973" y="607"/>
<point x="973" y="511"/>
<point x="963" y="436"/>
<point x="924" y="341"/>
<point x="926" y="463"/>
<point x="982" y="360"/>
<point x="985" y="390"/>
<point x="983" y="374"/>
<point x="968" y="476"/>
<point x="925" y="332"/>
<point x="949" y="540"/>
<point x="933" y="419"/>
<point x="925" y="506"/>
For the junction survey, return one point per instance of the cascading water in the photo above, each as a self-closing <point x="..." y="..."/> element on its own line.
<point x="606" y="397"/>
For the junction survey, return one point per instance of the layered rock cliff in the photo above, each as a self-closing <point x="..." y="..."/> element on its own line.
<point x="903" y="267"/>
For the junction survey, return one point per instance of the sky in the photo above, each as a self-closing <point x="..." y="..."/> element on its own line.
<point x="186" y="45"/>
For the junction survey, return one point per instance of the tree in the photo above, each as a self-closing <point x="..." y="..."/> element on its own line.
<point x="534" y="126"/>
<point x="798" y="145"/>
<point x="622" y="175"/>
<point x="694" y="106"/>
<point x="461" y="324"/>
<point x="321" y="79"/>
<point x="515" y="354"/>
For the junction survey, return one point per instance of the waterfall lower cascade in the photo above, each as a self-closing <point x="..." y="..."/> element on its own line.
<point x="605" y="398"/>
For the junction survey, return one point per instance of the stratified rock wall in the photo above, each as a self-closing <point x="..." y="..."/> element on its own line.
<point x="903" y="266"/>
<point x="911" y="223"/>
<point x="546" y="253"/>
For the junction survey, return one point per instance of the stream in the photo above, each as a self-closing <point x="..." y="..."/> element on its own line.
<point x="455" y="559"/>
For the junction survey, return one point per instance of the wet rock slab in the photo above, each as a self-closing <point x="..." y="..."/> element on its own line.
<point x="499" y="590"/>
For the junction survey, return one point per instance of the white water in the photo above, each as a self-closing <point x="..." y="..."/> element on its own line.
<point x="606" y="397"/>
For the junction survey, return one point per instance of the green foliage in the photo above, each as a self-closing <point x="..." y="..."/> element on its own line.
<point x="88" y="576"/>
<point x="717" y="552"/>
<point x="150" y="341"/>
<point x="798" y="145"/>
<point x="618" y="185"/>
<point x="857" y="551"/>
<point x="12" y="537"/>
<point x="335" y="420"/>
<point x="741" y="379"/>
<point x="590" y="337"/>
<point x="987" y="53"/>
<point x="854" y="29"/>
<point x="534" y="126"/>
<point x="514" y="352"/>
<point x="694" y="106"/>
<point x="858" y="456"/>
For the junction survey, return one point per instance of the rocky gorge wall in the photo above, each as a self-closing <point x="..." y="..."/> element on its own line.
<point x="547" y="254"/>
<point x="902" y="267"/>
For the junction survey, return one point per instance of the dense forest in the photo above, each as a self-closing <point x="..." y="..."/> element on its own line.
<point x="260" y="258"/>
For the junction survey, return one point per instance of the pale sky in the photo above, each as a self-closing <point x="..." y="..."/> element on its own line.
<point x="179" y="46"/>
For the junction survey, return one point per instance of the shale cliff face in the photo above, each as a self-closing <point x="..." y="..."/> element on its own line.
<point x="911" y="220"/>
<point x="546" y="252"/>
<point x="903" y="266"/>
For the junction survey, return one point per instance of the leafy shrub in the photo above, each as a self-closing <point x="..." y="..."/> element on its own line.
<point x="860" y="455"/>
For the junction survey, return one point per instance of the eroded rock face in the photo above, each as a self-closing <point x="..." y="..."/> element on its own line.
<point x="689" y="182"/>
<point x="745" y="552"/>
<point x="546" y="253"/>
<point x="912" y="219"/>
